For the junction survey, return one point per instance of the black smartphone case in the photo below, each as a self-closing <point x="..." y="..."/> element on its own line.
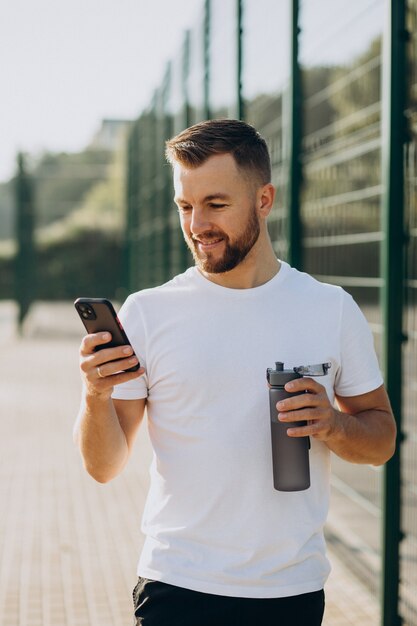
<point x="106" y="321"/>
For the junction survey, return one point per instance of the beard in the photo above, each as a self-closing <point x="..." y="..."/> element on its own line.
<point x="234" y="253"/>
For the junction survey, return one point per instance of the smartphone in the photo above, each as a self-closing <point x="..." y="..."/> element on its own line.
<point x="98" y="315"/>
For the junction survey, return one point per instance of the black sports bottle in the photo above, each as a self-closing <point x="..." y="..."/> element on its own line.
<point x="291" y="467"/>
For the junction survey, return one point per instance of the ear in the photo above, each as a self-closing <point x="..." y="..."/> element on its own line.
<point x="265" y="199"/>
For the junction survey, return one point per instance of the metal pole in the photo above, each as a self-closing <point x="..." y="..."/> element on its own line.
<point x="129" y="275"/>
<point x="184" y="79"/>
<point x="294" y="255"/>
<point x="392" y="269"/>
<point x="184" y="254"/>
<point x="207" y="59"/>
<point x="239" y="28"/>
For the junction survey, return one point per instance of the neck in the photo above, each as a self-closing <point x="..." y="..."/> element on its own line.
<point x="257" y="268"/>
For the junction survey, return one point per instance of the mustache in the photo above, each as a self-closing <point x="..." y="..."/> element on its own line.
<point x="209" y="235"/>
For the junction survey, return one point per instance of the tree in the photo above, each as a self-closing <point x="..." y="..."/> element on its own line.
<point x="25" y="254"/>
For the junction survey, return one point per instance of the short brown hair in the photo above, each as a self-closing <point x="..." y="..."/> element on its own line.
<point x="194" y="145"/>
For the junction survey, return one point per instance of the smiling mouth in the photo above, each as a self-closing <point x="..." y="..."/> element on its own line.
<point x="208" y="244"/>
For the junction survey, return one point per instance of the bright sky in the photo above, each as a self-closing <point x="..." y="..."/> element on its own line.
<point x="66" y="64"/>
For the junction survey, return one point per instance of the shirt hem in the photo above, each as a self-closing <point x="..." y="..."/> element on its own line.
<point x="360" y="389"/>
<point x="128" y="395"/>
<point x="235" y="591"/>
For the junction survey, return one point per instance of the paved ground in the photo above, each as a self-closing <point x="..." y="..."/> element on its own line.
<point x="68" y="546"/>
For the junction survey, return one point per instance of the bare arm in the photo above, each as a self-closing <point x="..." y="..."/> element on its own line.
<point x="105" y="429"/>
<point x="363" y="430"/>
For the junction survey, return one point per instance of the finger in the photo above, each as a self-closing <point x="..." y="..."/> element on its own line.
<point x="298" y="416"/>
<point x="111" y="368"/>
<point x="112" y="354"/>
<point x="299" y="402"/>
<point x="91" y="341"/>
<point x="115" y="357"/>
<point x="110" y="381"/>
<point x="303" y="384"/>
<point x="302" y="431"/>
<point x="316" y="429"/>
<point x="104" y="386"/>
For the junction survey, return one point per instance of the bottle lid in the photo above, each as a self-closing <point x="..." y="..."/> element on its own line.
<point x="280" y="376"/>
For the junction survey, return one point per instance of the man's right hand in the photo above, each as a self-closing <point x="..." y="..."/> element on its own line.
<point x="102" y="370"/>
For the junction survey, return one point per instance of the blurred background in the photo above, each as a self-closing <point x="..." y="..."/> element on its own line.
<point x="91" y="92"/>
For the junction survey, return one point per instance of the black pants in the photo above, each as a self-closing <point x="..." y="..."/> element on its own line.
<point x="159" y="604"/>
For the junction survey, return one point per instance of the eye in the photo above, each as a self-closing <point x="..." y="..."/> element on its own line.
<point x="215" y="205"/>
<point x="184" y="209"/>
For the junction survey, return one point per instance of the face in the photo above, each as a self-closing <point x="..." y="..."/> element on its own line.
<point x="218" y="215"/>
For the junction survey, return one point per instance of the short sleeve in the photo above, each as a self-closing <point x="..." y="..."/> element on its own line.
<point x="132" y="322"/>
<point x="359" y="369"/>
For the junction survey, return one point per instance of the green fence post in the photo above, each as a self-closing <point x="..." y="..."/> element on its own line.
<point x="207" y="59"/>
<point x="129" y="278"/>
<point x="186" y="61"/>
<point x="164" y="179"/>
<point x="239" y="31"/>
<point x="294" y="255"/>
<point x="392" y="271"/>
<point x="185" y="258"/>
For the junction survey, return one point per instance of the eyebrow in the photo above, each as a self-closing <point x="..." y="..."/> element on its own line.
<point x="212" y="196"/>
<point x="216" y="196"/>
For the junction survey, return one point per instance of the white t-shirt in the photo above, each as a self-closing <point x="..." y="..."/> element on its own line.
<point x="213" y="520"/>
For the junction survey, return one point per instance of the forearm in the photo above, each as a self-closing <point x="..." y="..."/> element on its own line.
<point x="100" y="438"/>
<point x="366" y="437"/>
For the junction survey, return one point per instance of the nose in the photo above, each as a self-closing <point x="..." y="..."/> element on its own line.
<point x="199" y="222"/>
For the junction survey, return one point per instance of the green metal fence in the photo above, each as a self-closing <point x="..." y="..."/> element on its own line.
<point x="334" y="93"/>
<point x="408" y="560"/>
<point x="341" y="200"/>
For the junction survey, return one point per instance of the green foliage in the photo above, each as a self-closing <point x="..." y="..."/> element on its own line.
<point x="63" y="180"/>
<point x="101" y="209"/>
<point x="89" y="264"/>
<point x="6" y="210"/>
<point x="64" y="183"/>
<point x="79" y="252"/>
<point x="315" y="80"/>
<point x="342" y="166"/>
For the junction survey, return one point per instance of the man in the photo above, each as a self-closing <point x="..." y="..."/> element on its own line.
<point x="223" y="547"/>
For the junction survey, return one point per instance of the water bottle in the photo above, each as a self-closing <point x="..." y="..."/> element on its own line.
<point x="290" y="456"/>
